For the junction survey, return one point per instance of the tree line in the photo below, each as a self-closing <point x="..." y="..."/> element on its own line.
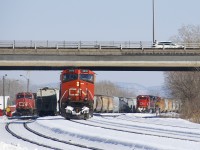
<point x="11" y="88"/>
<point x="186" y="85"/>
<point x="112" y="89"/>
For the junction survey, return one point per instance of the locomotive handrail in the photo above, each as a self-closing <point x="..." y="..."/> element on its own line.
<point x="62" y="97"/>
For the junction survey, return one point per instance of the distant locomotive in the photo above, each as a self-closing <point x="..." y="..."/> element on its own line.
<point x="147" y="103"/>
<point x="46" y="101"/>
<point x="25" y="104"/>
<point x="76" y="93"/>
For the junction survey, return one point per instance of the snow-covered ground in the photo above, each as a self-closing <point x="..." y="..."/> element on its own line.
<point x="104" y="131"/>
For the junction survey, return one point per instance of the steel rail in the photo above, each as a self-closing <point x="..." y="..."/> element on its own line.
<point x="150" y="129"/>
<point x="57" y="140"/>
<point x="137" y="132"/>
<point x="27" y="140"/>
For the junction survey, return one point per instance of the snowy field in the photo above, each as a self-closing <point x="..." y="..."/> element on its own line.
<point x="102" y="132"/>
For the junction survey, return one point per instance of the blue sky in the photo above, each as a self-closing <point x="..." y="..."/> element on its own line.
<point x="105" y="20"/>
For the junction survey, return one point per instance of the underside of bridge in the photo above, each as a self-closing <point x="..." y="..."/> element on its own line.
<point x="101" y="62"/>
<point x="101" y="68"/>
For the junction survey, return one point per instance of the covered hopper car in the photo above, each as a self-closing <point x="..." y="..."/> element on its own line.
<point x="109" y="104"/>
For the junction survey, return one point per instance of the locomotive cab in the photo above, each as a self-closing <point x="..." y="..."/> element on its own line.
<point x="76" y="93"/>
<point x="25" y="104"/>
<point x="147" y="103"/>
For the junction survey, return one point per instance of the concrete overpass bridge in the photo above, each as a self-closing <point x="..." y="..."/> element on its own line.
<point x="95" y="55"/>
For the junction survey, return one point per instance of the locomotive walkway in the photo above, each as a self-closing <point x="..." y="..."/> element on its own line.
<point x="125" y="55"/>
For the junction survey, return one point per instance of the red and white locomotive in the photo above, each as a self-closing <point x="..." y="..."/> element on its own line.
<point x="147" y="103"/>
<point x="76" y="93"/>
<point x="25" y="104"/>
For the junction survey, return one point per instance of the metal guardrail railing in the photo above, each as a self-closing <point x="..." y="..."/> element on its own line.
<point x="87" y="44"/>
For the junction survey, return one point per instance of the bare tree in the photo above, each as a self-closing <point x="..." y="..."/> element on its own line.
<point x="111" y="89"/>
<point x="11" y="88"/>
<point x="188" y="34"/>
<point x="185" y="86"/>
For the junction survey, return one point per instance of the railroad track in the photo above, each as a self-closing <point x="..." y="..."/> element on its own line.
<point x="166" y="125"/>
<point x="133" y="120"/>
<point x="46" y="137"/>
<point x="142" y="133"/>
<point x="27" y="140"/>
<point x="151" y="129"/>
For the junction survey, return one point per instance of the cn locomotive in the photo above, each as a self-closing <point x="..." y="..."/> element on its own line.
<point x="147" y="103"/>
<point x="76" y="93"/>
<point x="25" y="104"/>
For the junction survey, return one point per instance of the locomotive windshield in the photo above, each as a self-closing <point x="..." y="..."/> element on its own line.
<point x="69" y="77"/>
<point x="87" y="77"/>
<point x="142" y="98"/>
<point x="29" y="96"/>
<point x="20" y="96"/>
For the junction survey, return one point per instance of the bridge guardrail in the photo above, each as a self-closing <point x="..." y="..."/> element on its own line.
<point x="75" y="44"/>
<point x="86" y="44"/>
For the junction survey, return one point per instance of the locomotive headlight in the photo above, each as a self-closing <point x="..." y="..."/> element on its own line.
<point x="77" y="83"/>
<point x="85" y="110"/>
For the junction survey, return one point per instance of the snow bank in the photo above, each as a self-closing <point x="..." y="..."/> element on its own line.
<point x="4" y="146"/>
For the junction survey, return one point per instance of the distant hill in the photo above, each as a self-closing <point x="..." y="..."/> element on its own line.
<point x="138" y="89"/>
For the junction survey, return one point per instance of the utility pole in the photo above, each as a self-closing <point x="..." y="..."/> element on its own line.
<point x="4" y="103"/>
<point x="153" y="20"/>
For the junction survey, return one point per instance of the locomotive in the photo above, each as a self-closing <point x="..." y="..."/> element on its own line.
<point x="25" y="104"/>
<point x="147" y="103"/>
<point x="76" y="93"/>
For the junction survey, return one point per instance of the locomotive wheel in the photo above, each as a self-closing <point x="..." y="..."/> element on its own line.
<point x="91" y="114"/>
<point x="68" y="116"/>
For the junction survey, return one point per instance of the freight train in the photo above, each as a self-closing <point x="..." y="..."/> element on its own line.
<point x="141" y="103"/>
<point x="150" y="103"/>
<point x="76" y="93"/>
<point x="110" y="104"/>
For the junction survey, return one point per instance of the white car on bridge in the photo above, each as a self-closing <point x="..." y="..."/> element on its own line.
<point x="166" y="44"/>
